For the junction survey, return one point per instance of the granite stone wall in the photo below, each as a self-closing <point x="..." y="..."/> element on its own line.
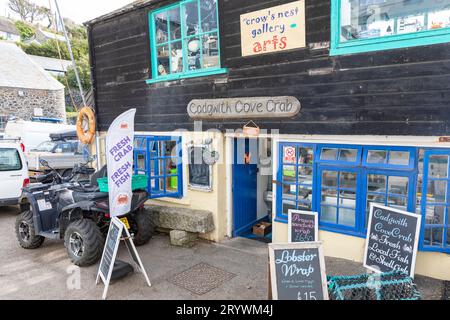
<point x="22" y="103"/>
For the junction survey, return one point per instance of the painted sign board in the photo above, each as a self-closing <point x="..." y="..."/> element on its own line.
<point x="289" y="155"/>
<point x="303" y="226"/>
<point x="119" y="158"/>
<point x="274" y="29"/>
<point x="297" y="271"/>
<point x="244" y="108"/>
<point x="117" y="231"/>
<point x="392" y="240"/>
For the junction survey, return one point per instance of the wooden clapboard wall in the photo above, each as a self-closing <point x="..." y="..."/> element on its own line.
<point x="395" y="92"/>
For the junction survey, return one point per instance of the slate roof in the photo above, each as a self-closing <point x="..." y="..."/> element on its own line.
<point x="52" y="64"/>
<point x="17" y="70"/>
<point x="8" y="26"/>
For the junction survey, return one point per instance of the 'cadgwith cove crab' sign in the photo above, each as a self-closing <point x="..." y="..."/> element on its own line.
<point x="274" y="29"/>
<point x="392" y="240"/>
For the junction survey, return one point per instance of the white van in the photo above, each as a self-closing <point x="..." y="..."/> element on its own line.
<point x="31" y="133"/>
<point x="13" y="172"/>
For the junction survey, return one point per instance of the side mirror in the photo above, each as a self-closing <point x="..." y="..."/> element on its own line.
<point x="44" y="163"/>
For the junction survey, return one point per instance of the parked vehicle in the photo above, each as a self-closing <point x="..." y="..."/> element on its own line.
<point x="78" y="213"/>
<point x="13" y="172"/>
<point x="33" y="133"/>
<point x="62" y="152"/>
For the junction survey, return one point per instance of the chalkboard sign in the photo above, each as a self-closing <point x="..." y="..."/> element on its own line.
<point x="392" y="240"/>
<point x="297" y="271"/>
<point x="303" y="226"/>
<point x="117" y="230"/>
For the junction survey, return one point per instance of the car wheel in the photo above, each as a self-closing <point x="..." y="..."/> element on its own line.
<point x="25" y="231"/>
<point x="84" y="242"/>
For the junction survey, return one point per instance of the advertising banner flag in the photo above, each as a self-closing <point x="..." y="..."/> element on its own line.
<point x="119" y="158"/>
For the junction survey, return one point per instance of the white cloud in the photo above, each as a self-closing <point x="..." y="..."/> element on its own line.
<point x="77" y="10"/>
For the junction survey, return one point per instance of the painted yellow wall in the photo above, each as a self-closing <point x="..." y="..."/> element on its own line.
<point x="430" y="264"/>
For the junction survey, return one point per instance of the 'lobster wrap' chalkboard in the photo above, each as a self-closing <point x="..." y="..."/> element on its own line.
<point x="392" y="240"/>
<point x="297" y="271"/>
<point x="303" y="226"/>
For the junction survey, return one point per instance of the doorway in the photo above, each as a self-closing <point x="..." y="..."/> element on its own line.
<point x="252" y="188"/>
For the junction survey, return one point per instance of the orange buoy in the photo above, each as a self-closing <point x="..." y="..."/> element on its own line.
<point x="86" y="116"/>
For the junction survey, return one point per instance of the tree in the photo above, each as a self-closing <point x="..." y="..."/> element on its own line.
<point x="26" y="31"/>
<point x="48" y="14"/>
<point x="28" y="11"/>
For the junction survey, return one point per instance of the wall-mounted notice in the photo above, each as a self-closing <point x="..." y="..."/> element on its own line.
<point x="303" y="226"/>
<point x="274" y="29"/>
<point x="392" y="240"/>
<point x="297" y="271"/>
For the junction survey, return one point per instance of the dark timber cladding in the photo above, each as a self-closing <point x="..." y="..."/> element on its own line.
<point x="395" y="92"/>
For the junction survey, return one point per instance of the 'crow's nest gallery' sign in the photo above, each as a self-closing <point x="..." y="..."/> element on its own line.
<point x="244" y="108"/>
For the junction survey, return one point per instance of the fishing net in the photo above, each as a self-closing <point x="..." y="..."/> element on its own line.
<point x="385" y="286"/>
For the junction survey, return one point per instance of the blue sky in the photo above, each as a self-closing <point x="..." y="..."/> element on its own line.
<point x="77" y="10"/>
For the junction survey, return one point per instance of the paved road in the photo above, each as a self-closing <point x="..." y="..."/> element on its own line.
<point x="45" y="272"/>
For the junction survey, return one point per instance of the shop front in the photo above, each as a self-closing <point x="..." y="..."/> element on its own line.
<point x="249" y="109"/>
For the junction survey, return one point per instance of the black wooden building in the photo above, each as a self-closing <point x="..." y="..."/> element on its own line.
<point x="372" y="78"/>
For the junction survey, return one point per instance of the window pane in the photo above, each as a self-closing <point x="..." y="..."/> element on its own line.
<point x="348" y="180"/>
<point x="329" y="197"/>
<point x="379" y="18"/>
<point x="175" y="24"/>
<point x="304" y="194"/>
<point x="376" y="183"/>
<point x="177" y="57"/>
<point x="163" y="60"/>
<point x="161" y="28"/>
<point x="208" y="15"/>
<point x="191" y="18"/>
<point x="10" y="160"/>
<point x="305" y="175"/>
<point x="438" y="167"/>
<point x="420" y="182"/>
<point x="348" y="155"/>
<point x="328" y="214"/>
<point x="306" y="156"/>
<point x="437" y="191"/>
<point x="399" y="158"/>
<point x="434" y="236"/>
<point x="210" y="49"/>
<point x="435" y="215"/>
<point x="289" y="173"/>
<point x="289" y="191"/>
<point x="193" y="54"/>
<point x="288" y="205"/>
<point x="377" y="156"/>
<point x="347" y="217"/>
<point x="398" y="185"/>
<point x="400" y="203"/>
<point x="347" y="199"/>
<point x="329" y="154"/>
<point x="329" y="178"/>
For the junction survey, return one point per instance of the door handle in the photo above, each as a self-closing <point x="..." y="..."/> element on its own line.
<point x="15" y="176"/>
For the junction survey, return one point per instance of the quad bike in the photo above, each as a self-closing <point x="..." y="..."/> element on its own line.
<point x="76" y="212"/>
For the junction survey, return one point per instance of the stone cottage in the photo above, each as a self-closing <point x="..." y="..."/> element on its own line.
<point x="26" y="89"/>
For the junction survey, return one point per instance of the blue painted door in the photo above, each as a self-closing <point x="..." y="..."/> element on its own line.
<point x="245" y="172"/>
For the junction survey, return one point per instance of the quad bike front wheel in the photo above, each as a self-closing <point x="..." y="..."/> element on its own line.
<point x="84" y="242"/>
<point x="25" y="231"/>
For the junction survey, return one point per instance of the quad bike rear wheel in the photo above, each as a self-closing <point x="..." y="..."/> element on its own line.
<point x="145" y="228"/>
<point x="84" y="242"/>
<point x="25" y="231"/>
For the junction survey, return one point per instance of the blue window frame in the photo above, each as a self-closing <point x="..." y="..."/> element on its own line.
<point x="185" y="40"/>
<point x="435" y="202"/>
<point x="160" y="158"/>
<point x="372" y="25"/>
<point x="345" y="180"/>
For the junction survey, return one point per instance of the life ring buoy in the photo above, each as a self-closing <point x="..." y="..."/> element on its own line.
<point x="86" y="136"/>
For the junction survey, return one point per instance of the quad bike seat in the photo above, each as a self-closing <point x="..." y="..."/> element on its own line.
<point x="88" y="196"/>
